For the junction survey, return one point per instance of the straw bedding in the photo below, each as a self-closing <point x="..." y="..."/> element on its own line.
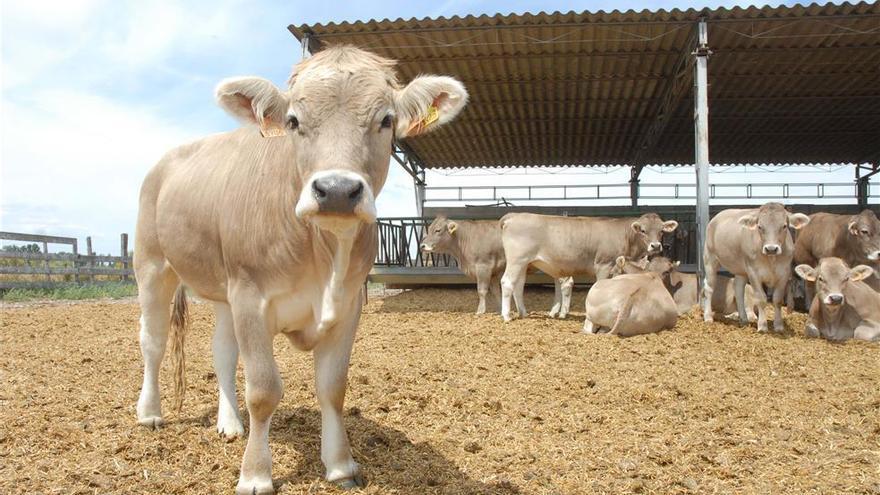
<point x="443" y="401"/>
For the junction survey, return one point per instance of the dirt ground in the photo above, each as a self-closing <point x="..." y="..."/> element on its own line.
<point x="443" y="401"/>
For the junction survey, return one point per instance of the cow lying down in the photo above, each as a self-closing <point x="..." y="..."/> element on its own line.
<point x="845" y="307"/>
<point x="630" y="304"/>
<point x="684" y="287"/>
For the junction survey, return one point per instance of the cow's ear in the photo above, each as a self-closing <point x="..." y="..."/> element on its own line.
<point x="676" y="264"/>
<point x="642" y="263"/>
<point x="254" y="100"/>
<point x="637" y="227"/>
<point x="620" y="262"/>
<point x="749" y="220"/>
<point x="670" y="226"/>
<point x="798" y="221"/>
<point x="806" y="272"/>
<point x="451" y="227"/>
<point x="427" y="103"/>
<point x="853" y="227"/>
<point x="860" y="272"/>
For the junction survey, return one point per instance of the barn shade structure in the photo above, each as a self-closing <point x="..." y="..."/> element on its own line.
<point x="785" y="85"/>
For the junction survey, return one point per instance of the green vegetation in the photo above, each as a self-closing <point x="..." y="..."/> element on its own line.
<point x="112" y="290"/>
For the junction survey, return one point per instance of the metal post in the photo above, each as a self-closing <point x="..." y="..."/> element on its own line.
<point x="419" y="185"/>
<point x="861" y="188"/>
<point x="123" y="248"/>
<point x="91" y="264"/>
<point x="701" y="140"/>
<point x="634" y="186"/>
<point x="306" y="53"/>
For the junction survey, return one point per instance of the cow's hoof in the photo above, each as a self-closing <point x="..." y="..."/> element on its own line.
<point x="762" y="329"/>
<point x="254" y="487"/>
<point x="353" y="483"/>
<point x="151" y="422"/>
<point x="230" y="428"/>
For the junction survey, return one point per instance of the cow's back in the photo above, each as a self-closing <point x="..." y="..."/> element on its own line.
<point x="563" y="246"/>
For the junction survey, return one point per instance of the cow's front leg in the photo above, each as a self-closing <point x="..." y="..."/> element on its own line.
<point x="739" y="285"/>
<point x="778" y="295"/>
<point x="557" y="298"/>
<point x="262" y="391"/>
<point x="760" y="299"/>
<point x="566" y="288"/>
<point x="332" y="356"/>
<point x="225" y="350"/>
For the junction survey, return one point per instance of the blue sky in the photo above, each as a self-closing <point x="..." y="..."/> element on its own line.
<point x="95" y="91"/>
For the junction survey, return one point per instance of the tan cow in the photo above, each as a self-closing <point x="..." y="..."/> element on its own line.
<point x="630" y="304"/>
<point x="754" y="245"/>
<point x="684" y="287"/>
<point x="476" y="244"/>
<point x="569" y="246"/>
<point x="844" y="307"/>
<point x="279" y="233"/>
<point x="853" y="238"/>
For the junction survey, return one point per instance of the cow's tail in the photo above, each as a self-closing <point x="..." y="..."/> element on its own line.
<point x="179" y="320"/>
<point x="625" y="310"/>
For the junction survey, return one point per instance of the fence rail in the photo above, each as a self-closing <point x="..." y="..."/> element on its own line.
<point x="28" y="269"/>
<point x="567" y="192"/>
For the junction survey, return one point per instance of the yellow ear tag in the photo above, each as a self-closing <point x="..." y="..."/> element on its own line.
<point x="270" y="130"/>
<point x="430" y="117"/>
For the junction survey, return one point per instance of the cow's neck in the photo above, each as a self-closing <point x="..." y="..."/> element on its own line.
<point x="334" y="249"/>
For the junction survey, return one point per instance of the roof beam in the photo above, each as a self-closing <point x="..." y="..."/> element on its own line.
<point x="677" y="85"/>
<point x="410" y="161"/>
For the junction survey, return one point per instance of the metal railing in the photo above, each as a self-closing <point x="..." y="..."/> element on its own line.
<point x="567" y="192"/>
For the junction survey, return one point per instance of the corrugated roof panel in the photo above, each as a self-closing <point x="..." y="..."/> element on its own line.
<point x="787" y="84"/>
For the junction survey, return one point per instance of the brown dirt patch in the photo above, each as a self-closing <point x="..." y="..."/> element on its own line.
<point x="444" y="401"/>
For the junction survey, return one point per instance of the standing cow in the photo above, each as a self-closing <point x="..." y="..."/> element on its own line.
<point x="275" y="223"/>
<point x="754" y="245"/>
<point x="844" y="306"/>
<point x="568" y="246"/>
<point x="853" y="238"/>
<point x="476" y="244"/>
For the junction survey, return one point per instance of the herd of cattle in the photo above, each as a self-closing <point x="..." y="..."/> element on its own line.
<point x="274" y="224"/>
<point x="638" y="291"/>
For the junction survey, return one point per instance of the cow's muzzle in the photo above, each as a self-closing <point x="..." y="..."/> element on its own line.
<point x="337" y="195"/>
<point x="655" y="247"/>
<point x="772" y="249"/>
<point x="834" y="299"/>
<point x="426" y="248"/>
<point x="874" y="256"/>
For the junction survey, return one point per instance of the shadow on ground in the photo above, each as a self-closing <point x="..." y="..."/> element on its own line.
<point x="389" y="460"/>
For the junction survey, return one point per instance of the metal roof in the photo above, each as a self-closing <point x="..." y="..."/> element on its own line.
<point x="797" y="84"/>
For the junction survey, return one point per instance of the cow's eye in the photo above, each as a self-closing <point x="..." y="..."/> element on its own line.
<point x="292" y="122"/>
<point x="386" y="122"/>
<point x="820" y="279"/>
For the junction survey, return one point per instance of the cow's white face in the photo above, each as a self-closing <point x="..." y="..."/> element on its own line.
<point x="831" y="277"/>
<point x="772" y="221"/>
<point x="343" y="110"/>
<point x="650" y="228"/>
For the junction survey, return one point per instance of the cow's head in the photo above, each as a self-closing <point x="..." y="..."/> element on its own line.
<point x="664" y="267"/>
<point x="772" y="221"/>
<point x="865" y="227"/>
<point x="624" y="265"/>
<point x="343" y="109"/>
<point x="650" y="228"/>
<point x="439" y="236"/>
<point x="831" y="277"/>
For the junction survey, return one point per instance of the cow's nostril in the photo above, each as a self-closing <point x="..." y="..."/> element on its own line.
<point x="357" y="191"/>
<point x="319" y="192"/>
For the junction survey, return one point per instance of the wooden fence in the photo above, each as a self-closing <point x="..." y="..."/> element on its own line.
<point x="46" y="269"/>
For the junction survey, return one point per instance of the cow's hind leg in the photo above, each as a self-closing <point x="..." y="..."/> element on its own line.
<point x="225" y="350"/>
<point x="519" y="296"/>
<point x="760" y="299"/>
<point x="495" y="291"/>
<point x="484" y="277"/>
<point x="739" y="284"/>
<point x="156" y="283"/>
<point x="509" y="282"/>
<point x="557" y="298"/>
<point x="331" y="376"/>
<point x="566" y="288"/>
<point x="262" y="389"/>
<point x="710" y="267"/>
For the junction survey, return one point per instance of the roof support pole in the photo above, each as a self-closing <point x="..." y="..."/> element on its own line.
<point x="701" y="139"/>
<point x="419" y="186"/>
<point x="862" y="183"/>
<point x="634" y="185"/>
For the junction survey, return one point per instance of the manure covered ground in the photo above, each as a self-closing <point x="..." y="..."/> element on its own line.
<point x="444" y="401"/>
